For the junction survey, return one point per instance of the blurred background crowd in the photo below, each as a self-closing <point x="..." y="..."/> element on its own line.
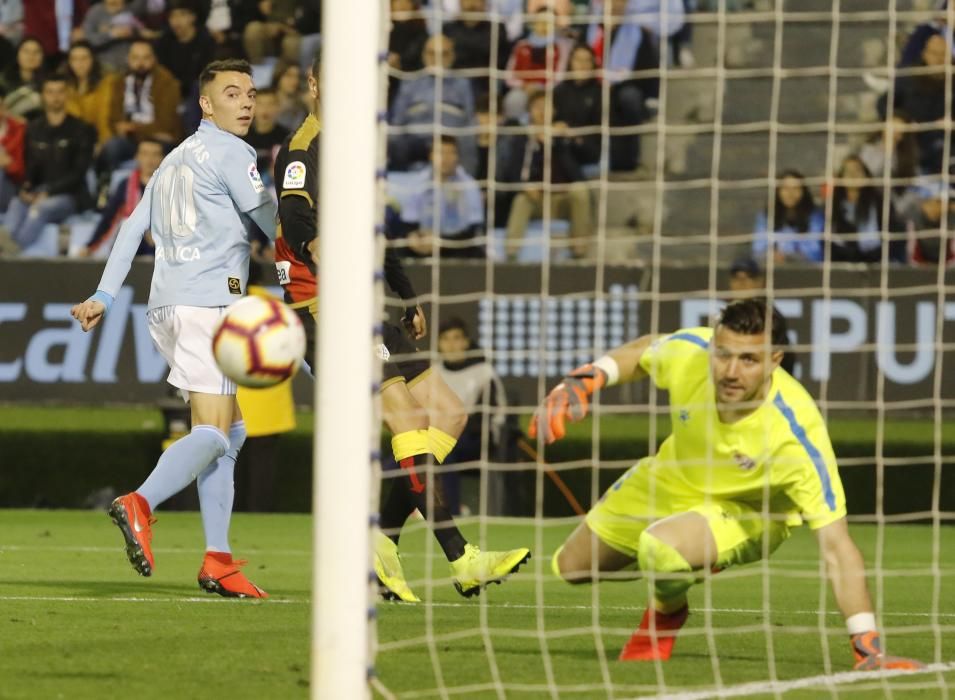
<point x="503" y="114"/>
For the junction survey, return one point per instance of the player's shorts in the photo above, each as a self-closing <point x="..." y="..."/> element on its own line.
<point x="636" y="500"/>
<point x="396" y="352"/>
<point x="401" y="361"/>
<point x="183" y="335"/>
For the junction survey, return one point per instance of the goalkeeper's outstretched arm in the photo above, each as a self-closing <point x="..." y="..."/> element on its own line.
<point x="845" y="568"/>
<point x="570" y="400"/>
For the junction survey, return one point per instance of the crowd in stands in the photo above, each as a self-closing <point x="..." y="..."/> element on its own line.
<point x="94" y="94"/>
<point x="496" y="111"/>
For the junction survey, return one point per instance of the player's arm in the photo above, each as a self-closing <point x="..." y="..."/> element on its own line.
<point x="413" y="318"/>
<point x="90" y="312"/>
<point x="570" y="400"/>
<point x="299" y="225"/>
<point x="264" y="217"/>
<point x="846" y="571"/>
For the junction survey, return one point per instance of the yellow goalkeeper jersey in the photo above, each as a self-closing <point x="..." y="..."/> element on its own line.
<point x="780" y="453"/>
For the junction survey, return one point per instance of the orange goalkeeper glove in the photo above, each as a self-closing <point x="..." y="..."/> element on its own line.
<point x="867" y="648"/>
<point x="569" y="400"/>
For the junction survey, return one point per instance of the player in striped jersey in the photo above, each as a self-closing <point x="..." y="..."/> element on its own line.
<point x="422" y="412"/>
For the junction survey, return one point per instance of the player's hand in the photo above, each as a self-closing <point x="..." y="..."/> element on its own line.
<point x="415" y="322"/>
<point x="867" y="649"/>
<point x="569" y="400"/>
<point x="89" y="313"/>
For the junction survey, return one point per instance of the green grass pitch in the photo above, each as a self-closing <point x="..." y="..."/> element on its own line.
<point x="76" y="622"/>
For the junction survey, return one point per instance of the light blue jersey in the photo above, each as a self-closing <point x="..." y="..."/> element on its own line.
<point x="198" y="207"/>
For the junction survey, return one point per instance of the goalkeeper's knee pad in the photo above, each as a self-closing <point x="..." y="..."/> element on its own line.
<point x="657" y="557"/>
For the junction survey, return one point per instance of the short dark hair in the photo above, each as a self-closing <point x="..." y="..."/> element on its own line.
<point x="445" y="139"/>
<point x="226" y="65"/>
<point x="750" y="317"/>
<point x="142" y="40"/>
<point x="187" y="5"/>
<point x="454" y="323"/>
<point x="52" y="78"/>
<point x="261" y="92"/>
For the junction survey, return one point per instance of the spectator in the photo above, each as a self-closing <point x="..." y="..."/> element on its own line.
<point x="287" y="84"/>
<point x="928" y="236"/>
<point x="522" y="161"/>
<point x="302" y="44"/>
<point x="912" y="51"/>
<point x="630" y="44"/>
<point x="406" y="41"/>
<point x="478" y="42"/>
<point x="110" y="27"/>
<point x="859" y="225"/>
<point x="922" y="97"/>
<point x="797" y="224"/>
<point x="52" y="21"/>
<point x="270" y="23"/>
<point x="266" y="135"/>
<point x="123" y="199"/>
<point x="535" y="61"/>
<point x="184" y="47"/>
<point x="152" y="14"/>
<point x="455" y="212"/>
<point x="90" y="93"/>
<point x="903" y="154"/>
<point x="578" y="103"/>
<point x="58" y="154"/>
<point x="481" y="390"/>
<point x="416" y="106"/>
<point x="145" y="101"/>
<point x="11" y="28"/>
<point x="22" y="79"/>
<point x="746" y="278"/>
<point x="12" y="134"/>
<point x="225" y="20"/>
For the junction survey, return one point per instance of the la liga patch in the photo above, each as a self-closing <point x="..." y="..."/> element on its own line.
<point x="294" y="176"/>
<point x="256" y="179"/>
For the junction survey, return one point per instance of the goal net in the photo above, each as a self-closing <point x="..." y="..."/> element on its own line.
<point x="564" y="177"/>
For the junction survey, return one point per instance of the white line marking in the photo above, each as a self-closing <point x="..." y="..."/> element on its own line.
<point x="766" y="687"/>
<point x="144" y="599"/>
<point x="512" y="606"/>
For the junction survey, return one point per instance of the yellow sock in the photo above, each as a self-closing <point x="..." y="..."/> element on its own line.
<point x="410" y="443"/>
<point x="440" y="443"/>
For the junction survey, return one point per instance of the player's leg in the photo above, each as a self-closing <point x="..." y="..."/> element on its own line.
<point x="604" y="546"/>
<point x="471" y="568"/>
<point x="585" y="558"/>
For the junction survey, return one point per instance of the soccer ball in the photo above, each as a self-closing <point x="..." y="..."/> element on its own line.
<point x="259" y="342"/>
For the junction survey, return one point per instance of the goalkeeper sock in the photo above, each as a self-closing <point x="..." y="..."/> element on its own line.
<point x="669" y="590"/>
<point x="412" y="453"/>
<point x="182" y="462"/>
<point x="217" y="492"/>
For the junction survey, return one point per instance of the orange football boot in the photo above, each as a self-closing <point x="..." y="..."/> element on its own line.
<point x="220" y="574"/>
<point x="651" y="644"/>
<point x="134" y="519"/>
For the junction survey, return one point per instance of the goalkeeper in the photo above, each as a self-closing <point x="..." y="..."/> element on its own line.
<point x="748" y="459"/>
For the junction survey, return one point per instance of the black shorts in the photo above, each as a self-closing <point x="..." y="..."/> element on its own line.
<point x="407" y="368"/>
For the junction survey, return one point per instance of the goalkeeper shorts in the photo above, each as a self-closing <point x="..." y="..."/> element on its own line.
<point x="636" y="500"/>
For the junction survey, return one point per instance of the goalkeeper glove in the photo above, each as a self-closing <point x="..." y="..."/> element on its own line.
<point x="568" y="400"/>
<point x="867" y="648"/>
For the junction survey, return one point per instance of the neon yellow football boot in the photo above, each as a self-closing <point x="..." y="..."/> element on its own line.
<point x="475" y="569"/>
<point x="391" y="577"/>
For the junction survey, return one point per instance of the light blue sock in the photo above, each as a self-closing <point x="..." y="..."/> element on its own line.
<point x="182" y="463"/>
<point x="217" y="491"/>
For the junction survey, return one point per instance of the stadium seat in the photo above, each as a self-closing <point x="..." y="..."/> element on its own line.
<point x="534" y="246"/>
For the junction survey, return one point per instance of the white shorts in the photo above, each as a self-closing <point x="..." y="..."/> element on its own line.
<point x="183" y="335"/>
